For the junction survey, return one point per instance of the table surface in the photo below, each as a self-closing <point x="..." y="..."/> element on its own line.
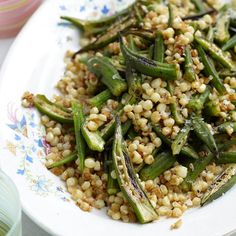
<point x="29" y="227"/>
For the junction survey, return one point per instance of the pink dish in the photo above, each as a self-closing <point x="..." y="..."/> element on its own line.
<point x="14" y="14"/>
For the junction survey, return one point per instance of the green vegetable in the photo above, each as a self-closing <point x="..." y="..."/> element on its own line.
<point x="128" y="182"/>
<point x="198" y="166"/>
<point x="221" y="185"/>
<point x="229" y="44"/>
<point x="101" y="66"/>
<point x="66" y="160"/>
<point x="216" y="53"/>
<point x="209" y="70"/>
<point x="204" y="134"/>
<point x="189" y="73"/>
<point x="162" y="162"/>
<point x="159" y="48"/>
<point x="186" y="150"/>
<point x="78" y="117"/>
<point x="171" y="17"/>
<point x="212" y="109"/>
<point x="108" y="36"/>
<point x="52" y="110"/>
<point x="93" y="139"/>
<point x="226" y="158"/>
<point x="147" y="66"/>
<point x="180" y="140"/>
<point x="199" y="4"/>
<point x="100" y="99"/>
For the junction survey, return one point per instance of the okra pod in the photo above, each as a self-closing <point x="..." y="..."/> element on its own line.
<point x="144" y="34"/>
<point x="88" y="25"/>
<point x="78" y="117"/>
<point x="66" y="160"/>
<point x="226" y="158"/>
<point x="216" y="53"/>
<point x="100" y="99"/>
<point x="180" y="140"/>
<point x="173" y="106"/>
<point x="162" y="162"/>
<point x="128" y="182"/>
<point x="202" y="131"/>
<point x="189" y="73"/>
<point x="229" y="44"/>
<point x="227" y="125"/>
<point x="101" y="66"/>
<point x="112" y="184"/>
<point x="198" y="166"/>
<point x="159" y="48"/>
<point x="93" y="139"/>
<point x="134" y="81"/>
<point x="221" y="185"/>
<point x="108" y="36"/>
<point x="197" y="103"/>
<point x="147" y="66"/>
<point x="52" y="110"/>
<point x="209" y="70"/>
<point x="171" y="17"/>
<point x="186" y="150"/>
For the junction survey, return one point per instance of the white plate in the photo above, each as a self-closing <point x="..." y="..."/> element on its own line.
<point x="35" y="63"/>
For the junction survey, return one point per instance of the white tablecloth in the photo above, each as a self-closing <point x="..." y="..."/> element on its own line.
<point x="29" y="227"/>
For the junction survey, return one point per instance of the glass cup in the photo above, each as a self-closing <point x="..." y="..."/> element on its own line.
<point x="10" y="208"/>
<point x="14" y="14"/>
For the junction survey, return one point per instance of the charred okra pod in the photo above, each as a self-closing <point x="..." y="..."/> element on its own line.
<point x="128" y="181"/>
<point x="221" y="185"/>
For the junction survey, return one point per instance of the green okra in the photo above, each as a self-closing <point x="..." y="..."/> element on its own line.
<point x="128" y="181"/>
<point x="109" y="36"/>
<point x="134" y="81"/>
<point x="189" y="73"/>
<point x="162" y="162"/>
<point x="226" y="158"/>
<point x="198" y="166"/>
<point x="78" y="117"/>
<point x="180" y="140"/>
<point x="52" y="110"/>
<point x="147" y="35"/>
<point x="173" y="106"/>
<point x="100" y="99"/>
<point x="229" y="44"/>
<point x="171" y="17"/>
<point x="197" y="103"/>
<point x="93" y="139"/>
<point x="147" y="66"/>
<point x="159" y="48"/>
<point x="216" y="53"/>
<point x="66" y="160"/>
<point x="202" y="131"/>
<point x="223" y="127"/>
<point x="187" y="150"/>
<point x="101" y="66"/>
<point x="209" y="70"/>
<point x="221" y="185"/>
